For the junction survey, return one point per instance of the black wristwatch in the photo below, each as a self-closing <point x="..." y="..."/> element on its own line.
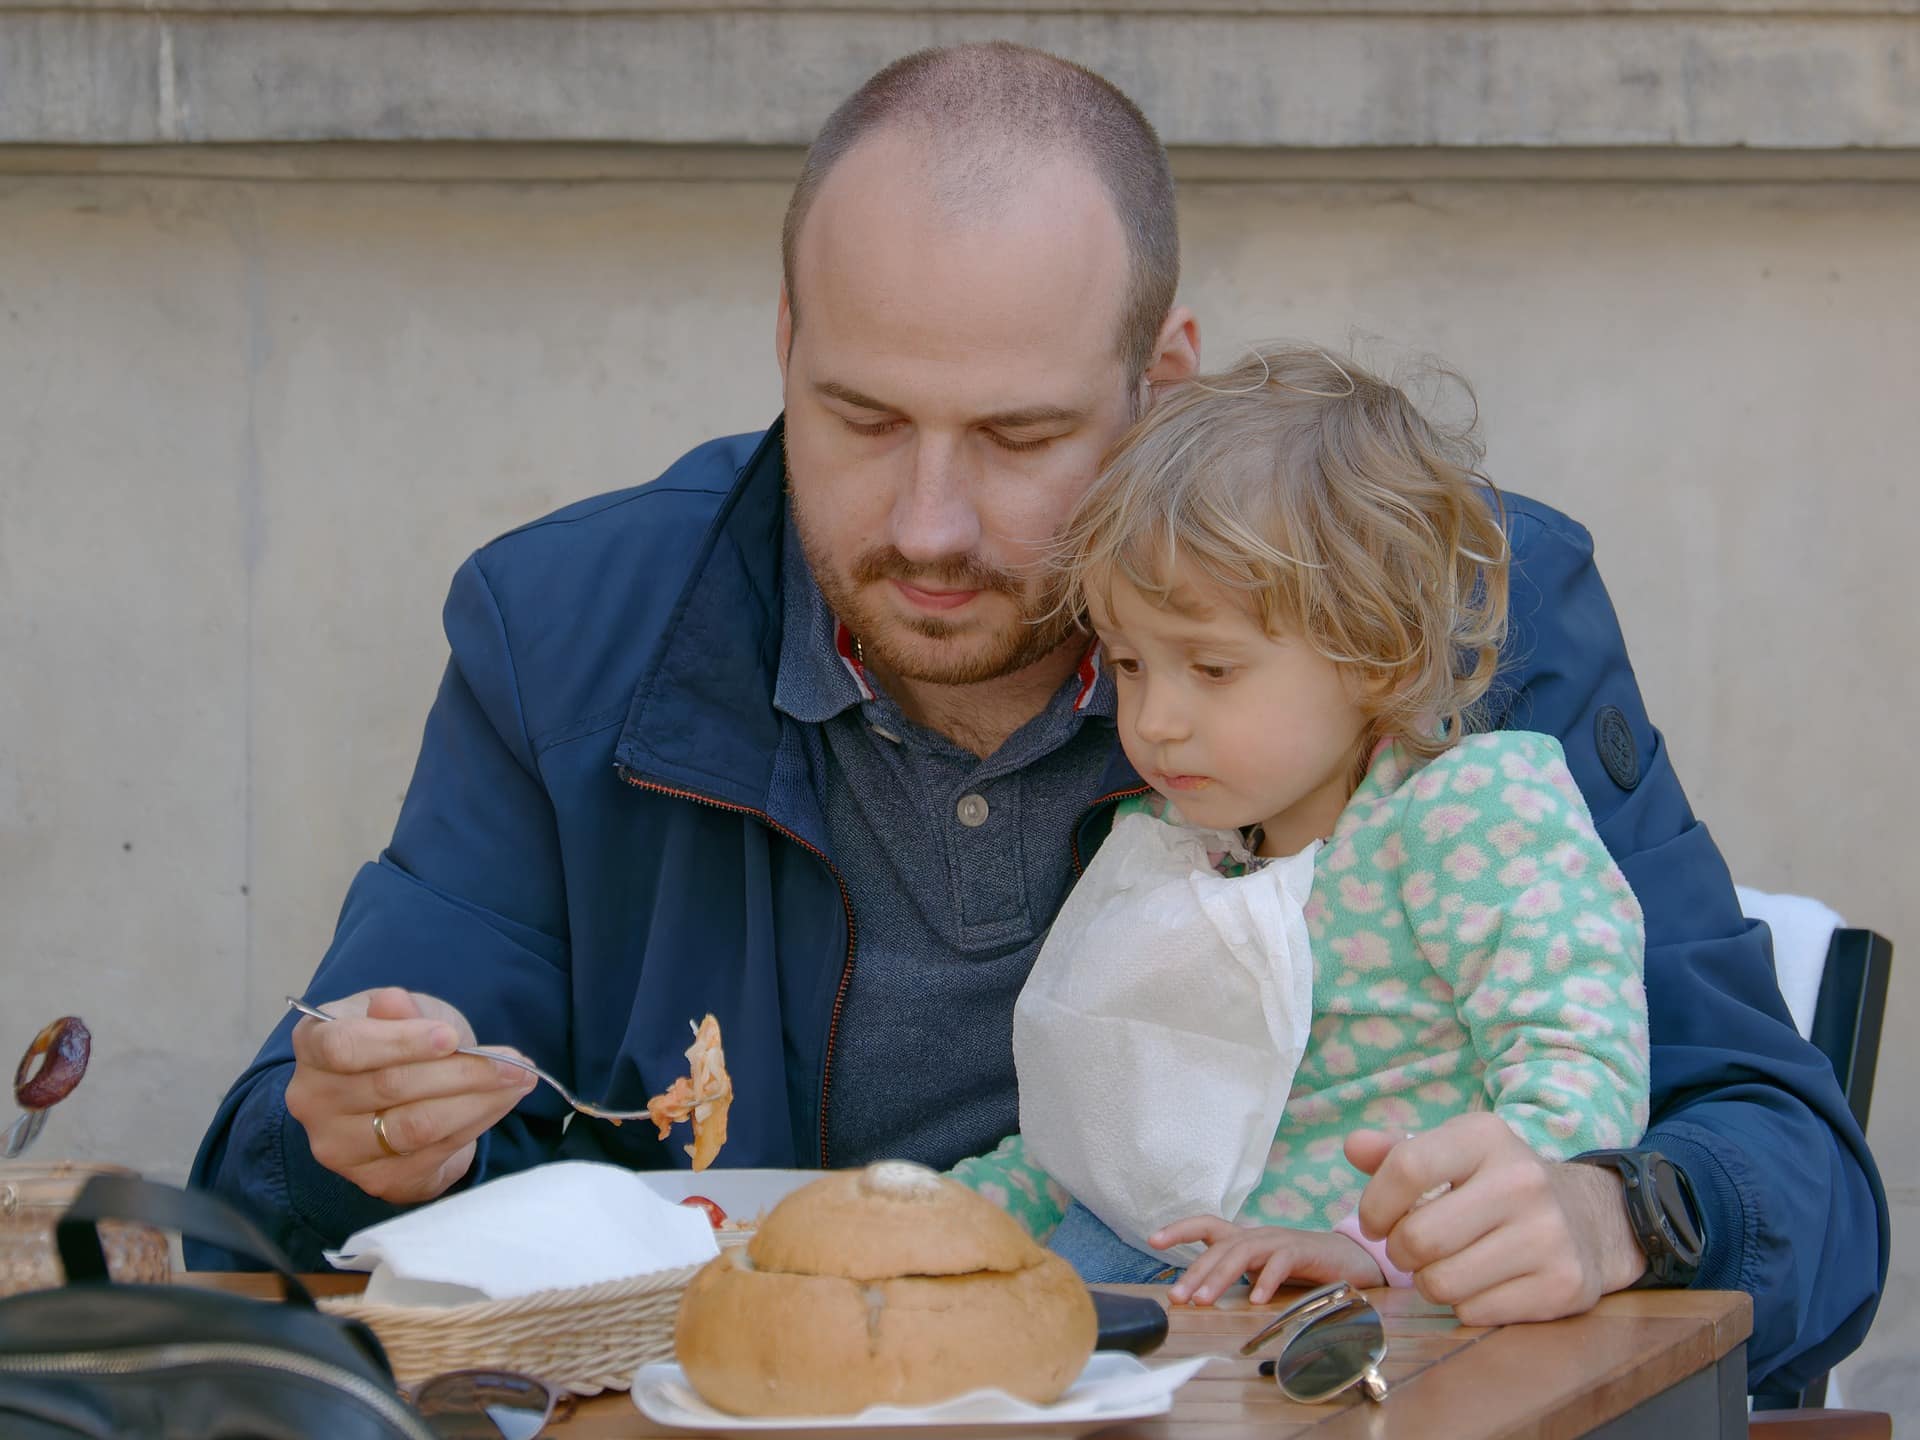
<point x="1664" y="1215"/>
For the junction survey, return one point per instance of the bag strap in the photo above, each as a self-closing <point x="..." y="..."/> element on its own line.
<point x="194" y="1213"/>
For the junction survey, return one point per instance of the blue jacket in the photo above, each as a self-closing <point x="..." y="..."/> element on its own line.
<point x="610" y="831"/>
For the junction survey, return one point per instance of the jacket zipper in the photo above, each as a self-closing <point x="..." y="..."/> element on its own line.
<point x="846" y="901"/>
<point x="148" y="1359"/>
<point x="1079" y="866"/>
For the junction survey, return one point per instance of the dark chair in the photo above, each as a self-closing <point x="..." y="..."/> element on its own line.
<point x="1846" y="1029"/>
<point x="1853" y="1001"/>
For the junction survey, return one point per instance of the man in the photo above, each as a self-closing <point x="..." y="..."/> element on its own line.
<point x="785" y="736"/>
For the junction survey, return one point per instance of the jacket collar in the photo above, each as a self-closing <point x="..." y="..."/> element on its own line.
<point x="702" y="717"/>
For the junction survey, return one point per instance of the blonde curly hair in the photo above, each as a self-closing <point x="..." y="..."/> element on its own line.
<point x="1320" y="494"/>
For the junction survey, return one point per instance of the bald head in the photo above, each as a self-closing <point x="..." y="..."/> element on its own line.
<point x="978" y="128"/>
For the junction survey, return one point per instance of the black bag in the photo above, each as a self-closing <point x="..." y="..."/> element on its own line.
<point x="175" y="1362"/>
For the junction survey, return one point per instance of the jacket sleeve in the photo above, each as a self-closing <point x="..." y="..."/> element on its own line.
<point x="1794" y="1210"/>
<point x="467" y="903"/>
<point x="1017" y="1185"/>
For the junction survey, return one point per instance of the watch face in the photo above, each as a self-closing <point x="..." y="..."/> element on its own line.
<point x="1670" y="1193"/>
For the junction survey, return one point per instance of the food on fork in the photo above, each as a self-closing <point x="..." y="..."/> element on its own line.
<point x="884" y="1286"/>
<point x="701" y="1096"/>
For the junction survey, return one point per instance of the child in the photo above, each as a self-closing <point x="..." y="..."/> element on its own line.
<point x="1300" y="586"/>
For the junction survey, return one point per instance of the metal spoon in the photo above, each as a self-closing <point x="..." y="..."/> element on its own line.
<point x="62" y="1049"/>
<point x="584" y="1107"/>
<point x="22" y="1133"/>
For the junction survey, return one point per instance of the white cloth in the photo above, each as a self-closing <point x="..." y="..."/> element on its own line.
<point x="1157" y="1037"/>
<point x="1802" y="930"/>
<point x="552" y="1227"/>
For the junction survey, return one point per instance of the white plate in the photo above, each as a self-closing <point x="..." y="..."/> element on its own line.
<point x="1114" y="1387"/>
<point x="745" y="1195"/>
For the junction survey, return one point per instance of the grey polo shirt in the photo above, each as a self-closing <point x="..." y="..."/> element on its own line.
<point x="955" y="866"/>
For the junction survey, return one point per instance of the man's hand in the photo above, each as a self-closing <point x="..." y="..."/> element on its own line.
<point x="1514" y="1238"/>
<point x="1271" y="1255"/>
<point x="391" y="1054"/>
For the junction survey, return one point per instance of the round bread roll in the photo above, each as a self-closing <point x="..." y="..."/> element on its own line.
<point x="884" y="1286"/>
<point x="893" y="1218"/>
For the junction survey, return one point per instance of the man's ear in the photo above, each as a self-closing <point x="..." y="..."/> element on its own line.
<point x="783" y="333"/>
<point x="1177" y="356"/>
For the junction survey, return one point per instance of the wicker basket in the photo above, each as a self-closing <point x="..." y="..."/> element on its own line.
<point x="34" y="1195"/>
<point x="589" y="1338"/>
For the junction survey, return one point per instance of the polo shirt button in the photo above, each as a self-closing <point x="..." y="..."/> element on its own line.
<point x="972" y="810"/>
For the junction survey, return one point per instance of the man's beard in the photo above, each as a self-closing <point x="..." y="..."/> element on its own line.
<point x="955" y="654"/>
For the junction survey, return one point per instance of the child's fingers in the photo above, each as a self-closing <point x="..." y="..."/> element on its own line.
<point x="1190" y="1280"/>
<point x="1203" y="1229"/>
<point x="1230" y="1262"/>
<point x="1275" y="1273"/>
<point x="1199" y="1276"/>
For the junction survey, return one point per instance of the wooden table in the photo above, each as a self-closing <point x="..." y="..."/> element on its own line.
<point x="1652" y="1363"/>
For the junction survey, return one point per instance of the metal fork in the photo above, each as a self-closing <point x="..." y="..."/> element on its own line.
<point x="583" y="1106"/>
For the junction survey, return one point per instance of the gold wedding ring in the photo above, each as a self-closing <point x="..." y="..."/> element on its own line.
<point x="380" y="1134"/>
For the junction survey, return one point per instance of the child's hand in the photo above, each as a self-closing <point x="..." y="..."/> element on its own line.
<point x="1308" y="1257"/>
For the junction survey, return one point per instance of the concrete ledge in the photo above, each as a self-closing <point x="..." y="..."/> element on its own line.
<point x="517" y="164"/>
<point x="1236" y="77"/>
<point x="1549" y="9"/>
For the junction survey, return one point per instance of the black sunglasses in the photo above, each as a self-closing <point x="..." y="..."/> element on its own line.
<point x="488" y="1405"/>
<point x="1334" y="1340"/>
